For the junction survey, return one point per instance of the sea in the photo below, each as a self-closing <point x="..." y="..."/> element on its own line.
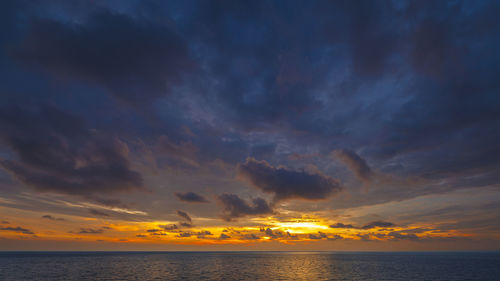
<point x="249" y="266"/>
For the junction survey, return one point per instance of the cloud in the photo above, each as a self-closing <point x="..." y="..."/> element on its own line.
<point x="185" y="234"/>
<point x="153" y="230"/>
<point x="224" y="236"/>
<point x="203" y="233"/>
<point x="420" y="104"/>
<point x="98" y="213"/>
<point x="57" y="153"/>
<point x="335" y="237"/>
<point x="341" y="225"/>
<point x="250" y="236"/>
<point x="314" y="236"/>
<point x="158" y="234"/>
<point x="291" y="236"/>
<point x="403" y="236"/>
<point x="134" y="60"/>
<point x="169" y="227"/>
<point x="185" y="224"/>
<point x="17" y="229"/>
<point x="191" y="197"/>
<point x="318" y="236"/>
<point x="184" y="215"/>
<point x="90" y="231"/>
<point x="273" y="233"/>
<point x="287" y="184"/>
<point x="111" y="202"/>
<point x="184" y="152"/>
<point x="376" y="224"/>
<point x="49" y="217"/>
<point x="355" y="163"/>
<point x="370" y="225"/>
<point x="235" y="207"/>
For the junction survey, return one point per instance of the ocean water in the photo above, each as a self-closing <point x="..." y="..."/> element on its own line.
<point x="248" y="266"/>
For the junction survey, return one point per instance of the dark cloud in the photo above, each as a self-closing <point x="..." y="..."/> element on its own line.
<point x="287" y="184"/>
<point x="58" y="154"/>
<point x="273" y="233"/>
<point x="184" y="215"/>
<point x="141" y="236"/>
<point x="185" y="234"/>
<point x="153" y="230"/>
<point x="403" y="236"/>
<point x="314" y="236"/>
<point x="90" y="231"/>
<point x="250" y="236"/>
<point x="224" y="236"/>
<point x="291" y="236"/>
<point x="98" y="213"/>
<point x="191" y="197"/>
<point x="235" y="207"/>
<point x="158" y="234"/>
<point x="133" y="59"/>
<point x="318" y="236"/>
<point x="49" y="217"/>
<point x="335" y="237"/>
<point x="185" y="224"/>
<point x="17" y="229"/>
<point x="355" y="163"/>
<point x="204" y="233"/>
<point x="341" y="225"/>
<point x="370" y="225"/>
<point x="169" y="227"/>
<point x="376" y="224"/>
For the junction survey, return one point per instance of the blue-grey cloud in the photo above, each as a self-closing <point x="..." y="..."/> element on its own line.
<point x="17" y="229"/>
<point x="234" y="207"/>
<point x="90" y="231"/>
<point x="373" y="224"/>
<point x="287" y="184"/>
<point x="184" y="215"/>
<point x="190" y="197"/>
<point x="341" y="225"/>
<point x="355" y="163"/>
<point x="50" y="217"/>
<point x="57" y="153"/>
<point x="98" y="213"/>
<point x="134" y="60"/>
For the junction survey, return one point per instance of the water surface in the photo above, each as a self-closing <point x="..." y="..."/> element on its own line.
<point x="248" y="266"/>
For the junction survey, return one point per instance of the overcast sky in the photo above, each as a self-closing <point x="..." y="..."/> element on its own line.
<point x="290" y="125"/>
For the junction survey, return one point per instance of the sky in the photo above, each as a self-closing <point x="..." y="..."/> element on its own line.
<point x="249" y="125"/>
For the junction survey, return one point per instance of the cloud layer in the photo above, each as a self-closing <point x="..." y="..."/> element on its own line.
<point x="57" y="153"/>
<point x="238" y="111"/>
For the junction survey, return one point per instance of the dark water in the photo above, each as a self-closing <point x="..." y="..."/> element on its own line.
<point x="248" y="266"/>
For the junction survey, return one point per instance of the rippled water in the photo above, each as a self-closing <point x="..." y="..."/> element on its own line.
<point x="248" y="266"/>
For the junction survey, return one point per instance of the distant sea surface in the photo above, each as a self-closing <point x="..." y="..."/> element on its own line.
<point x="249" y="266"/>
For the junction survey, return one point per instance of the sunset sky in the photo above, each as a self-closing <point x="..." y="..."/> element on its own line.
<point x="249" y="125"/>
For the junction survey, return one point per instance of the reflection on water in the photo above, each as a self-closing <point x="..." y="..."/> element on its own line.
<point x="249" y="266"/>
